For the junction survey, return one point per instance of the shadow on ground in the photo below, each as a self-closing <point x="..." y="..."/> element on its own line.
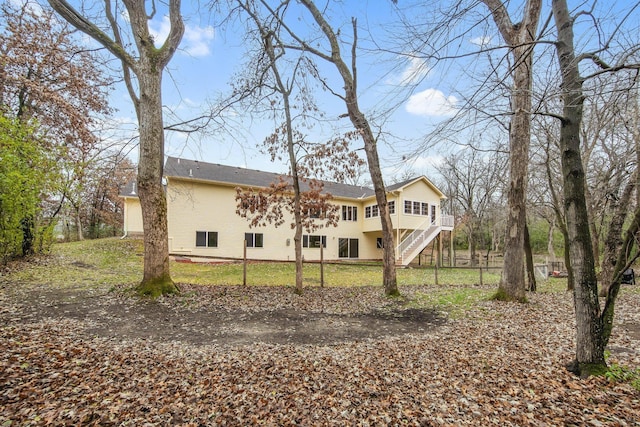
<point x="116" y="317"/>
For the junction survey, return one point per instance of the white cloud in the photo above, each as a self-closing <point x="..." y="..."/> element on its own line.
<point x="482" y="41"/>
<point x="431" y="102"/>
<point x="160" y="30"/>
<point x="195" y="41"/>
<point x="415" y="71"/>
<point x="425" y="163"/>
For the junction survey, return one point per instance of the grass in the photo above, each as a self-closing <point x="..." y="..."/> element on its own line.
<point x="455" y="301"/>
<point x="90" y="264"/>
<point x="282" y="274"/>
<point x="104" y="263"/>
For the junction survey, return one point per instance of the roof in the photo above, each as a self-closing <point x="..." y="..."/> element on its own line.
<point x="129" y="190"/>
<point x="232" y="175"/>
<point x="202" y="171"/>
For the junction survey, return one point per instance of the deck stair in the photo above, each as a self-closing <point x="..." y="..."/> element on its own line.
<point x="415" y="242"/>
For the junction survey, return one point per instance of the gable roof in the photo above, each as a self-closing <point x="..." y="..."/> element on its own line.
<point x="403" y="184"/>
<point x="231" y="175"/>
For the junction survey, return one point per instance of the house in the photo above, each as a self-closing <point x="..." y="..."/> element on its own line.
<point x="202" y="218"/>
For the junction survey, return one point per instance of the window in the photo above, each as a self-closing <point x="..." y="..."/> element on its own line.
<point x="207" y="239"/>
<point x="315" y="213"/>
<point x="347" y="248"/>
<point x="312" y="241"/>
<point x="416" y="208"/>
<point x="433" y="213"/>
<point x="392" y="207"/>
<point x="374" y="210"/>
<point x="412" y="207"/>
<point x="254" y="240"/>
<point x="349" y="213"/>
<point x="379" y="243"/>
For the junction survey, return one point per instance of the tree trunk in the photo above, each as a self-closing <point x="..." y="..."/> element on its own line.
<point x="567" y="259"/>
<point x="613" y="239"/>
<point x="512" y="283"/>
<point x="388" y="251"/>
<point x="550" y="249"/>
<point x="531" y="273"/>
<point x="589" y="343"/>
<point x="148" y="68"/>
<point x="156" y="278"/>
<point x="79" y="231"/>
<point x="519" y="37"/>
<point x="473" y="253"/>
<point x="361" y="123"/>
<point x="622" y="263"/>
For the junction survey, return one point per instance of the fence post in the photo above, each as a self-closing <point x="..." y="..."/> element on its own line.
<point x="436" y="273"/>
<point x="480" y="275"/>
<point x="321" y="264"/>
<point x="244" y="264"/>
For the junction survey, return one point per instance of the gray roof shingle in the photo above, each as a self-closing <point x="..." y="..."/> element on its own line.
<point x="193" y="169"/>
<point x="232" y="175"/>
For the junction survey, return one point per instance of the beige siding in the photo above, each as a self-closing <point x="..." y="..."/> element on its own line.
<point x="419" y="191"/>
<point x="196" y="207"/>
<point x="132" y="216"/>
<point x="422" y="193"/>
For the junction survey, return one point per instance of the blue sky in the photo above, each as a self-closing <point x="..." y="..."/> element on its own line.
<point x="210" y="56"/>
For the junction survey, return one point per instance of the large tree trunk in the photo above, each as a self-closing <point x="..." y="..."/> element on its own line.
<point x="589" y="343"/>
<point x="148" y="67"/>
<point x="157" y="278"/>
<point x="624" y="260"/>
<point x="613" y="240"/>
<point x="388" y="250"/>
<point x="519" y="37"/>
<point x="512" y="283"/>
<point x="531" y="272"/>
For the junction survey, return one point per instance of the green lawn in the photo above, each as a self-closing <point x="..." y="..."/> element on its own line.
<point x="113" y="261"/>
<point x="279" y="274"/>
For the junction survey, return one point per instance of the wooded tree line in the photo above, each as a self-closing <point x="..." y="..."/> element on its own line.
<point x="556" y="132"/>
<point x="55" y="168"/>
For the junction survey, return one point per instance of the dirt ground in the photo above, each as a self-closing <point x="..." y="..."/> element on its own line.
<point x="117" y="316"/>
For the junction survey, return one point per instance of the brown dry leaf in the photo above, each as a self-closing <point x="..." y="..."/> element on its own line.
<point x="502" y="364"/>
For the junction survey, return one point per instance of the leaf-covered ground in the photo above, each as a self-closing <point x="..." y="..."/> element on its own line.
<point x="93" y="358"/>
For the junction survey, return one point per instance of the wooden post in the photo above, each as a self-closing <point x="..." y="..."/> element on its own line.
<point x="244" y="264"/>
<point x="436" y="273"/>
<point x="480" y="275"/>
<point x="451" y="253"/>
<point x="321" y="264"/>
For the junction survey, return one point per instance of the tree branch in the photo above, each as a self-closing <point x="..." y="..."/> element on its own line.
<point x="83" y="24"/>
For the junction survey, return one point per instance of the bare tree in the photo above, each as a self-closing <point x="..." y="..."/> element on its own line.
<point x="147" y="64"/>
<point x="277" y="80"/>
<point x="349" y="76"/>
<point x="520" y="38"/>
<point x="592" y="326"/>
<point x="474" y="185"/>
<point x="440" y="41"/>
